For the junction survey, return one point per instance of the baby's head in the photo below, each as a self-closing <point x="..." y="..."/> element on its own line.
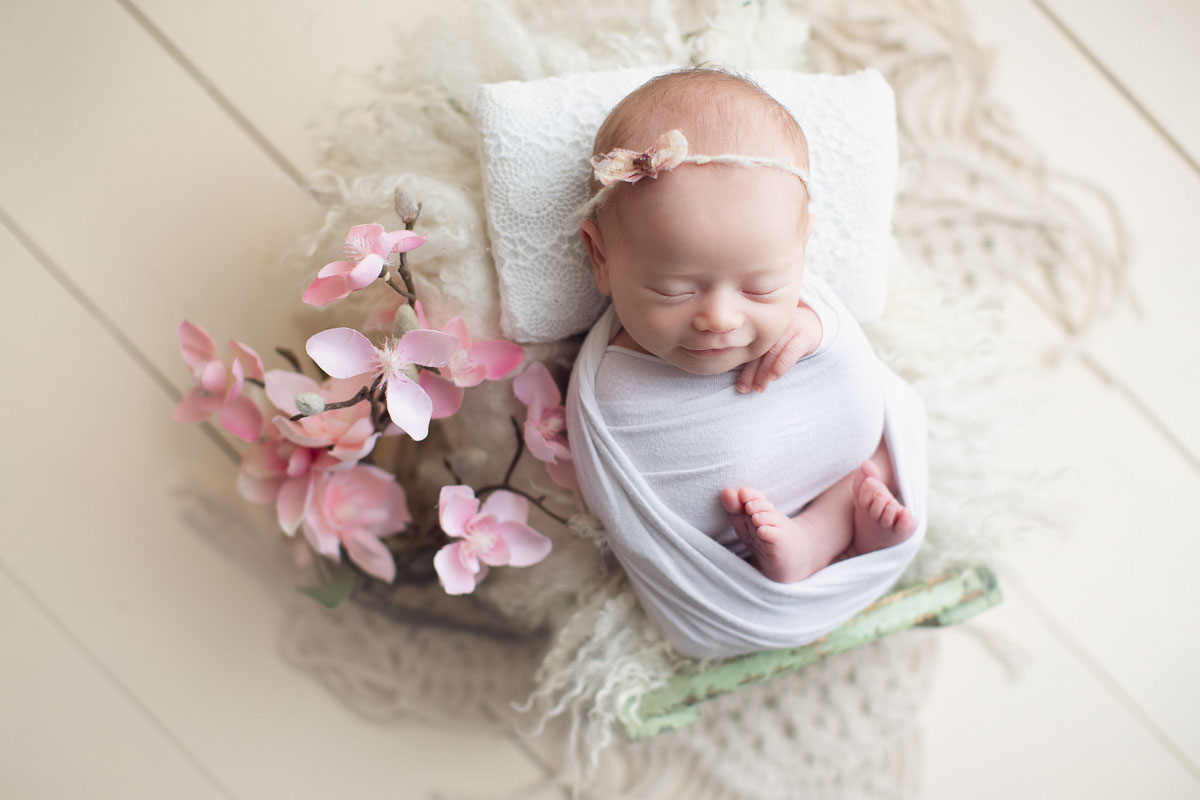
<point x="704" y="262"/>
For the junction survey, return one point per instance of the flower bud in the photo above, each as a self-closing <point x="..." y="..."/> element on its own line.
<point x="587" y="526"/>
<point x="404" y="321"/>
<point x="406" y="209"/>
<point x="310" y="403"/>
<point x="469" y="460"/>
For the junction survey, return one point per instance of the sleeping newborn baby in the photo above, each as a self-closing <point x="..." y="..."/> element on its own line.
<point x="704" y="263"/>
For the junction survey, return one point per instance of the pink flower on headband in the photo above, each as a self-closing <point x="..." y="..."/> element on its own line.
<point x="626" y="165"/>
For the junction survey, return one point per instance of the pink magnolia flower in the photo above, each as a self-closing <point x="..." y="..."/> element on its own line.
<point x="471" y="364"/>
<point x="357" y="507"/>
<point x="495" y="535"/>
<point x="281" y="472"/>
<point x="219" y="385"/>
<point x="367" y="248"/>
<point x="345" y="353"/>
<point x="348" y="431"/>
<point x="546" y="423"/>
<point x="475" y="362"/>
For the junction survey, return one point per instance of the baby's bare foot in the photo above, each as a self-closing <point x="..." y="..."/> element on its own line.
<point x="880" y="520"/>
<point x="780" y="546"/>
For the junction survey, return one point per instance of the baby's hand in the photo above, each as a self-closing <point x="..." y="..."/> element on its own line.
<point x="800" y="338"/>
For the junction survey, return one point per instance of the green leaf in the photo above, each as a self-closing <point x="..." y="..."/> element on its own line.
<point x="334" y="593"/>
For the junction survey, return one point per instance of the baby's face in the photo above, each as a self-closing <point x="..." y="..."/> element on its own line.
<point x="704" y="264"/>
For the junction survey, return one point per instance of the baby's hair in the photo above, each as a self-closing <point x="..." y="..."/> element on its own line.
<point x="710" y="103"/>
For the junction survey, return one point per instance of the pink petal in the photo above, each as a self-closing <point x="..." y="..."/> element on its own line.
<point x="403" y="241"/>
<point x="447" y="398"/>
<point x="258" y="489"/>
<point x="239" y="376"/>
<point x="525" y="545"/>
<point x="368" y="238"/>
<point x="196" y="407"/>
<point x="538" y="446"/>
<point x="496" y="555"/>
<point x="409" y="407"/>
<point x="249" y="358"/>
<point x="397" y="508"/>
<point x="506" y="506"/>
<point x="197" y="345"/>
<point x="343" y="352"/>
<point x="324" y="542"/>
<point x="242" y="418"/>
<point x="214" y="377"/>
<point x="283" y="386"/>
<point x="370" y="554"/>
<point x="456" y="506"/>
<point x="454" y="575"/>
<point x="354" y="450"/>
<point x="427" y="348"/>
<point x="294" y="498"/>
<point x="563" y="473"/>
<point x="336" y="390"/>
<point x="500" y="357"/>
<point x="457" y="328"/>
<point x="535" y="385"/>
<point x="365" y="272"/>
<point x="299" y="462"/>
<point x="421" y="320"/>
<point x="296" y="433"/>
<point x="336" y="269"/>
<point x="325" y="290"/>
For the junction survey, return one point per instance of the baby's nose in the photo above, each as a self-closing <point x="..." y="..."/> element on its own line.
<point x="718" y="317"/>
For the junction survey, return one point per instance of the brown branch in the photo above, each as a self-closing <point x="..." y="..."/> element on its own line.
<point x="450" y="469"/>
<point x="291" y="358"/>
<point x="507" y="484"/>
<point x="405" y="273"/>
<point x="397" y="289"/>
<point x="362" y="394"/>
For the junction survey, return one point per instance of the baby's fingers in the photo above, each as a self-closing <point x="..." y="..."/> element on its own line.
<point x="784" y="360"/>
<point x="746" y="379"/>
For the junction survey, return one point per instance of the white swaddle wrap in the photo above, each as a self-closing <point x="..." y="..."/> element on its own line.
<point x="654" y="445"/>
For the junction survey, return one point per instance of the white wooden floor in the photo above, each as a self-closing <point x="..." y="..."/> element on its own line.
<point x="150" y="156"/>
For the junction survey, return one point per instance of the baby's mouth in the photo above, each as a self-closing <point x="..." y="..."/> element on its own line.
<point x="708" y="351"/>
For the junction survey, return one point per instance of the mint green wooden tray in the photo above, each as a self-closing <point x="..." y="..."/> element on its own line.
<point x="944" y="600"/>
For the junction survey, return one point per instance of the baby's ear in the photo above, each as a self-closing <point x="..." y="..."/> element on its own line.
<point x="594" y="241"/>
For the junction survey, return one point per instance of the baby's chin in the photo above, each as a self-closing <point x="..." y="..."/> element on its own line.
<point x="709" y="364"/>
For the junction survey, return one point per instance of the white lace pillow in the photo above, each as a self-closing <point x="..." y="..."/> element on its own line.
<point x="537" y="137"/>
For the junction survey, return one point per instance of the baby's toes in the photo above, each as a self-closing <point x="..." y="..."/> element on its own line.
<point x="865" y="471"/>
<point x="866" y="493"/>
<point x="890" y="513"/>
<point x="730" y="501"/>
<point x="747" y="494"/>
<point x="761" y="505"/>
<point x="880" y="503"/>
<point x="906" y="523"/>
<point x="770" y="534"/>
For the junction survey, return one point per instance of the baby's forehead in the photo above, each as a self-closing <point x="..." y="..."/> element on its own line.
<point x="717" y="112"/>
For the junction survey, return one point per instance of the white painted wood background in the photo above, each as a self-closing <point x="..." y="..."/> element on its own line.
<point x="151" y="153"/>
